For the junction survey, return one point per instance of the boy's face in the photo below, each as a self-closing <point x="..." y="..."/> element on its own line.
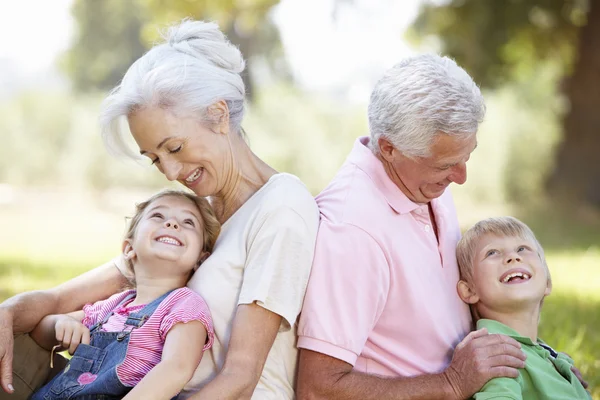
<point x="508" y="274"/>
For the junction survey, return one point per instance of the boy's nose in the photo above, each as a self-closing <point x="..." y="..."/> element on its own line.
<point x="513" y="259"/>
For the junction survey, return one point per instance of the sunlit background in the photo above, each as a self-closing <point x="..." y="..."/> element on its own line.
<point x="312" y="64"/>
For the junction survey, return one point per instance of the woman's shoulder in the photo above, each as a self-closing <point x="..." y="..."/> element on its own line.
<point x="286" y="191"/>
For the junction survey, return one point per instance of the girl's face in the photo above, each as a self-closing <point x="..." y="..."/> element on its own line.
<point x="183" y="149"/>
<point x="172" y="230"/>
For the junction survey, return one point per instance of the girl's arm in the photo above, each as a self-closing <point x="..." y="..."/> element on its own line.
<point x="254" y="331"/>
<point x="64" y="329"/>
<point x="181" y="355"/>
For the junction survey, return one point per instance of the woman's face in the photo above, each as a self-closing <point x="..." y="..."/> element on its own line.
<point x="183" y="149"/>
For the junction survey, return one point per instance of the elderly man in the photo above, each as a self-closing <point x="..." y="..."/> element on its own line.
<point x="381" y="317"/>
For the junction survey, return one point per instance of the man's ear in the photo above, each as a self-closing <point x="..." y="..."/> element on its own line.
<point x="128" y="251"/>
<point x="386" y="149"/>
<point x="466" y="293"/>
<point x="203" y="256"/>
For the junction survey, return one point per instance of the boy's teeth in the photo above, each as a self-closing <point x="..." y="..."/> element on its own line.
<point x="515" y="275"/>
<point x="194" y="176"/>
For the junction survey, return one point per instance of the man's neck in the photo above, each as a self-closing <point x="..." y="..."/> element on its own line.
<point x="524" y="322"/>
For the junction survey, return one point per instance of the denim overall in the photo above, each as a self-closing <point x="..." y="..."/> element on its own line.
<point x="92" y="371"/>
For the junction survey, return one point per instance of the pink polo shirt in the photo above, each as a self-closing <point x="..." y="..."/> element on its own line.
<point x="382" y="291"/>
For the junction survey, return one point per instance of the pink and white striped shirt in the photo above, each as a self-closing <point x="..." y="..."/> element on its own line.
<point x="146" y="343"/>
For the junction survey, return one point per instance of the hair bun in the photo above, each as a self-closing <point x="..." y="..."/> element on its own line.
<point x="204" y="40"/>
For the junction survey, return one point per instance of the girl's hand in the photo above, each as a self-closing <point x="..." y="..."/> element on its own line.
<point x="70" y="333"/>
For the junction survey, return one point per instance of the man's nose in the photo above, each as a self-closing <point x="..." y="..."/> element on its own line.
<point x="171" y="169"/>
<point x="459" y="173"/>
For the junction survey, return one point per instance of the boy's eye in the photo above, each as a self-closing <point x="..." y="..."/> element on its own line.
<point x="521" y="248"/>
<point x="491" y="252"/>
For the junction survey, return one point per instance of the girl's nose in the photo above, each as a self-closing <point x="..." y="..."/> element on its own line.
<point x="171" y="223"/>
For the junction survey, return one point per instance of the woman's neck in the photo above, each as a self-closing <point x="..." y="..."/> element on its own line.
<point x="248" y="174"/>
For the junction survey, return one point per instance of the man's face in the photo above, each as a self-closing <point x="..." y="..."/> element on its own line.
<point x="423" y="179"/>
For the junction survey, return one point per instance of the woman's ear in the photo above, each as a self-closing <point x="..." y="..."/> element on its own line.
<point x="466" y="293"/>
<point x="219" y="114"/>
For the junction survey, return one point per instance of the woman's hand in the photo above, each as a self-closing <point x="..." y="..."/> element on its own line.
<point x="70" y="332"/>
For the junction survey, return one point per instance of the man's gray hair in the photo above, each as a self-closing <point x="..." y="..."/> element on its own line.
<point x="195" y="67"/>
<point x="420" y="97"/>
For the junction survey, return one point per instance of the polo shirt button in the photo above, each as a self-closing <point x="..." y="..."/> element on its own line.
<point x="427" y="228"/>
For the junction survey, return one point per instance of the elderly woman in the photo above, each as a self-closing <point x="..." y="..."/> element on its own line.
<point x="184" y="102"/>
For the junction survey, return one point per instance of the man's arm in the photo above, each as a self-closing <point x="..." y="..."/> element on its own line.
<point x="23" y="312"/>
<point x="477" y="359"/>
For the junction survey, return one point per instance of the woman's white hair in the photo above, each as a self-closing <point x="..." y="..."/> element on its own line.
<point x="418" y="99"/>
<point x="194" y="68"/>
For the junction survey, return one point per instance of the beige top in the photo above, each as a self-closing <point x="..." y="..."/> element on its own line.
<point x="263" y="255"/>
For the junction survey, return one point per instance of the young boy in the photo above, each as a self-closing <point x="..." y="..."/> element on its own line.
<point x="504" y="277"/>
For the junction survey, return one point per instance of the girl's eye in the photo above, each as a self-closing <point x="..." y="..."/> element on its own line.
<point x="157" y="215"/>
<point x="176" y="150"/>
<point x="189" y="222"/>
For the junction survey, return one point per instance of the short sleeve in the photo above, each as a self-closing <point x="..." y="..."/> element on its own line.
<point x="279" y="258"/>
<point x="346" y="294"/>
<point x="501" y="389"/>
<point x="94" y="313"/>
<point x="188" y="306"/>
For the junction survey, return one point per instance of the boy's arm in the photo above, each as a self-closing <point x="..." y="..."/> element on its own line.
<point x="501" y="389"/>
<point x="64" y="329"/>
<point x="181" y="355"/>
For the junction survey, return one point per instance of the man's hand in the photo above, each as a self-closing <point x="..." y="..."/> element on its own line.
<point x="70" y="333"/>
<point x="481" y="357"/>
<point x="6" y="350"/>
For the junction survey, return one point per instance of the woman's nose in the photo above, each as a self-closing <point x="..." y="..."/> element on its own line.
<point x="171" y="169"/>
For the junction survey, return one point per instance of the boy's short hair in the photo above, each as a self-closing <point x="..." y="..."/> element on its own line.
<point x="211" y="225"/>
<point x="499" y="226"/>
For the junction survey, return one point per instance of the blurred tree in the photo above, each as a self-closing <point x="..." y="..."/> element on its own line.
<point x="114" y="33"/>
<point x="503" y="41"/>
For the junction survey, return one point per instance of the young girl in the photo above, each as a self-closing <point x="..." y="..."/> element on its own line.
<point x="144" y="343"/>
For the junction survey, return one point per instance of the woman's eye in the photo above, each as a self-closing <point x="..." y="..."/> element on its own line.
<point x="176" y="149"/>
<point x="156" y="161"/>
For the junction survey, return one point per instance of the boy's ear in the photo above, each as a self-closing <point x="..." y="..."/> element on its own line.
<point x="203" y="256"/>
<point x="466" y="293"/>
<point x="548" y="287"/>
<point x="128" y="251"/>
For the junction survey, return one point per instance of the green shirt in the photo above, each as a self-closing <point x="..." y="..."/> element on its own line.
<point x="543" y="378"/>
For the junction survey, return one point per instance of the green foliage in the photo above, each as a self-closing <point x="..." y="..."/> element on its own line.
<point x="498" y="40"/>
<point x="112" y="34"/>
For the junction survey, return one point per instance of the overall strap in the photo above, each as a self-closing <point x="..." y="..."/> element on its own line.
<point x="110" y="314"/>
<point x="139" y="318"/>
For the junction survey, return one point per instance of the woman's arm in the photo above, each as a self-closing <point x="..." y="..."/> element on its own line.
<point x="23" y="312"/>
<point x="181" y="355"/>
<point x="254" y="331"/>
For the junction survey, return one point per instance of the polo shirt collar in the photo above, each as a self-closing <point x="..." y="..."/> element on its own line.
<point x="365" y="160"/>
